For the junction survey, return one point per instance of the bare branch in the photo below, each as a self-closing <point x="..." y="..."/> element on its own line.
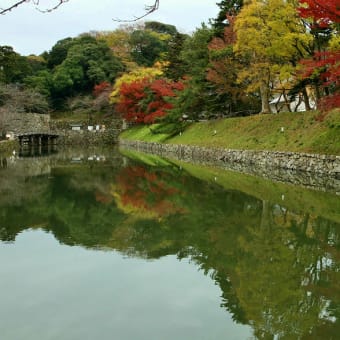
<point x="148" y="10"/>
<point x="53" y="8"/>
<point x="35" y="2"/>
<point x="5" y="10"/>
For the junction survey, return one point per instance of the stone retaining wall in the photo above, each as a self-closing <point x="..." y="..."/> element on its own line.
<point x="310" y="170"/>
<point x="67" y="136"/>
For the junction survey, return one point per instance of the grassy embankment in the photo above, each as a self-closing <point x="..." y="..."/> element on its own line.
<point x="296" y="132"/>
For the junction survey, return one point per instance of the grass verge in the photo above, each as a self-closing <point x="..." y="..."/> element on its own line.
<point x="296" y="132"/>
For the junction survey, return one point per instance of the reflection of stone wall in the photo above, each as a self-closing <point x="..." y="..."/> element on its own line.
<point x="7" y="147"/>
<point x="27" y="122"/>
<point x="27" y="167"/>
<point x="310" y="170"/>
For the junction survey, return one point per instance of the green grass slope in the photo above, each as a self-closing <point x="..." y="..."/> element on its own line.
<point x="296" y="132"/>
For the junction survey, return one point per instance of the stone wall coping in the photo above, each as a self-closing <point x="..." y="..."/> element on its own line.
<point x="268" y="152"/>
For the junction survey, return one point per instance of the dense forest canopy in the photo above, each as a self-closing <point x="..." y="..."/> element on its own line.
<point x="255" y="56"/>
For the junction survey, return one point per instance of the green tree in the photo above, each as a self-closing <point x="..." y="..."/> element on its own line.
<point x="199" y="95"/>
<point x="13" y="67"/>
<point x="227" y="8"/>
<point x="58" y="52"/>
<point x="118" y="41"/>
<point x="160" y="27"/>
<point x="41" y="82"/>
<point x="175" y="68"/>
<point x="147" y="47"/>
<point x="88" y="62"/>
<point x="37" y="63"/>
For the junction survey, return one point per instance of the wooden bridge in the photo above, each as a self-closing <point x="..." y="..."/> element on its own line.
<point x="37" y="138"/>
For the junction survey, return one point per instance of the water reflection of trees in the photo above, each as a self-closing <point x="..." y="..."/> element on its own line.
<point x="274" y="272"/>
<point x="278" y="269"/>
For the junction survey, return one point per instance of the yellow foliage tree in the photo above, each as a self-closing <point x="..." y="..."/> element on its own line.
<point x="270" y="39"/>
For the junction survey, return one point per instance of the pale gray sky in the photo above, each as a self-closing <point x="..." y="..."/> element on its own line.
<point x="31" y="32"/>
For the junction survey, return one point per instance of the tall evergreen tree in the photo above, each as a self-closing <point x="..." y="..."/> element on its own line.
<point x="227" y="7"/>
<point x="175" y="68"/>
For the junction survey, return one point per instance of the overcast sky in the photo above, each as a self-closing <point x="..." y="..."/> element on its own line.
<point x="31" y="32"/>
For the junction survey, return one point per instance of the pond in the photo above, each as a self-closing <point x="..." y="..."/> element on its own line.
<point x="109" y="244"/>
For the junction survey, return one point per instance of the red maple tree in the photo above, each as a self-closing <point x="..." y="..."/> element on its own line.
<point x="144" y="101"/>
<point x="324" y="67"/>
<point x="100" y="88"/>
<point x="324" y="12"/>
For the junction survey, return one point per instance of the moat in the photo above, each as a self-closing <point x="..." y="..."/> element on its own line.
<point x="114" y="244"/>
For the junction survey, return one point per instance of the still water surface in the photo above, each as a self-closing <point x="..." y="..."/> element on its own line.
<point x="96" y="244"/>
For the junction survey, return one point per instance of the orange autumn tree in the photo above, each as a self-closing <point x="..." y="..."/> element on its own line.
<point x="146" y="100"/>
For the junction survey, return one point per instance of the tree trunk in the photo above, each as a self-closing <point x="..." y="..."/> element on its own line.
<point x="287" y="101"/>
<point x="264" y="92"/>
<point x="317" y="92"/>
<point x="306" y="99"/>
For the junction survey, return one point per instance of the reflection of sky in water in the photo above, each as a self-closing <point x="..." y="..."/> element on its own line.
<point x="52" y="291"/>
